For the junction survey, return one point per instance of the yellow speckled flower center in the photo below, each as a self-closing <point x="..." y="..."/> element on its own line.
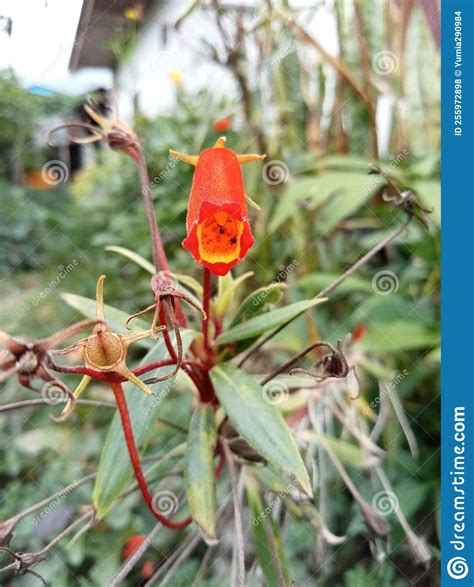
<point x="219" y="238"/>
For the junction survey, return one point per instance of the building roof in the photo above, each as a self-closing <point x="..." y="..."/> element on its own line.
<point x="99" y="23"/>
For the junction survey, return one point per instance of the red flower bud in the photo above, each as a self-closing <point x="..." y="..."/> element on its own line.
<point x="222" y="125"/>
<point x="218" y="228"/>
<point x="358" y="332"/>
<point x="133" y="543"/>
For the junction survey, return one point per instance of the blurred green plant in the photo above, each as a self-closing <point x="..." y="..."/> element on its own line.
<point x="320" y="211"/>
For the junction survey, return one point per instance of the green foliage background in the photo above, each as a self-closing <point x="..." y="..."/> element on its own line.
<point x="324" y="215"/>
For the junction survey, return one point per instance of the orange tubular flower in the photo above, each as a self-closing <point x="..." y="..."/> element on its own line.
<point x="217" y="225"/>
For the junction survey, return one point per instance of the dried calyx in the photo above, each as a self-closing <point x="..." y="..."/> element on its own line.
<point x="164" y="306"/>
<point x="24" y="561"/>
<point x="105" y="352"/>
<point x="30" y="360"/>
<point x="333" y="365"/>
<point x="111" y="129"/>
<point x="401" y="197"/>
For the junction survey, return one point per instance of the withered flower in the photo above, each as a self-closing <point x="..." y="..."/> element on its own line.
<point x="333" y="365"/>
<point x="104" y="352"/>
<point x="401" y="197"/>
<point x="165" y="295"/>
<point x="23" y="561"/>
<point x="112" y="130"/>
<point x="32" y="360"/>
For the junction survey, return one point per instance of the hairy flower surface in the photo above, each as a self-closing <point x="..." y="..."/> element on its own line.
<point x="217" y="224"/>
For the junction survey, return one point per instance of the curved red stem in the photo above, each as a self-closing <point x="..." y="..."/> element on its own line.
<point x="135" y="459"/>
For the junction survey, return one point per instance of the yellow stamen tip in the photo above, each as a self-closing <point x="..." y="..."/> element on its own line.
<point x="220" y="143"/>
<point x="100" y="298"/>
<point x="250" y="157"/>
<point x="191" y="159"/>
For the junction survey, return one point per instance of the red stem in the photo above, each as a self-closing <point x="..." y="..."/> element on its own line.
<point x="206" y="302"/>
<point x="157" y="249"/>
<point x="135" y="459"/>
<point x="115" y="377"/>
<point x="166" y="335"/>
<point x="157" y="364"/>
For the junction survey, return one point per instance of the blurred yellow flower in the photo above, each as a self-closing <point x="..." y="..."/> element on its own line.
<point x="176" y="76"/>
<point x="134" y="13"/>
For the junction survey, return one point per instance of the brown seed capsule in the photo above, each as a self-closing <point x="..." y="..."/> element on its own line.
<point x="104" y="350"/>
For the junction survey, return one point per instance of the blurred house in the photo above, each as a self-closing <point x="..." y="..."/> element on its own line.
<point x="150" y="52"/>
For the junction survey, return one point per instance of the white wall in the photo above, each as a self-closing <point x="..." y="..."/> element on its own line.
<point x="146" y="73"/>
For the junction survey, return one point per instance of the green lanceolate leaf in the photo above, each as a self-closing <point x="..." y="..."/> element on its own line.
<point x="268" y="545"/>
<point x="135" y="257"/>
<point x="258" y="422"/>
<point x="429" y="192"/>
<point x="348" y="453"/>
<point x="338" y="193"/>
<point x="189" y="282"/>
<point x="267" y="321"/>
<point x="183" y="280"/>
<point x="199" y="471"/>
<point x="115" y="318"/>
<point x="254" y="303"/>
<point x="316" y="282"/>
<point x="115" y="471"/>
<point x="398" y="336"/>
<point x="226" y="291"/>
<point x="349" y="192"/>
<point x="306" y="188"/>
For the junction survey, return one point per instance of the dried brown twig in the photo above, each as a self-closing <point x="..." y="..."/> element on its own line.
<point x="330" y="288"/>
